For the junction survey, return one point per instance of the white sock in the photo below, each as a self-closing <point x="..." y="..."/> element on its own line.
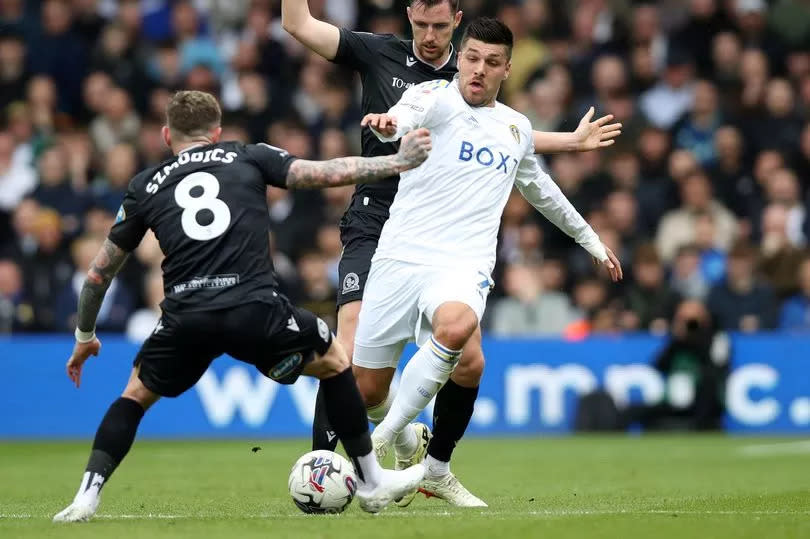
<point x="378" y="412"/>
<point x="424" y="375"/>
<point x="90" y="486"/>
<point x="436" y="468"/>
<point x="369" y="470"/>
<point x="406" y="443"/>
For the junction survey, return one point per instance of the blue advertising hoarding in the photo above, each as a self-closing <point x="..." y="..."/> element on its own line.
<point x="529" y="387"/>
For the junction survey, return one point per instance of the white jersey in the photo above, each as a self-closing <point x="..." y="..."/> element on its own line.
<point x="448" y="210"/>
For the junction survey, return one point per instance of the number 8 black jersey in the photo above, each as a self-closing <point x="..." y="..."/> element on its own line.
<point x="208" y="208"/>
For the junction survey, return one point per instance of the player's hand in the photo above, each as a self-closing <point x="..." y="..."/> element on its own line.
<point x="382" y="123"/>
<point x="612" y="264"/>
<point x="81" y="351"/>
<point x="592" y="135"/>
<point x="414" y="148"/>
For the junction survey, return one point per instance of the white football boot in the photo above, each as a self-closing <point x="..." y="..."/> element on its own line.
<point x="402" y="462"/>
<point x="393" y="485"/>
<point x="449" y="489"/>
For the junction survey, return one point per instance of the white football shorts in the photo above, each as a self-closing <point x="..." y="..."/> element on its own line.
<point x="399" y="302"/>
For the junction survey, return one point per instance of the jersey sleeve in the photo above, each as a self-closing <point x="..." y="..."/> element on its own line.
<point x="417" y="108"/>
<point x="545" y="195"/>
<point x="359" y="50"/>
<point x="274" y="163"/>
<point x="130" y="226"/>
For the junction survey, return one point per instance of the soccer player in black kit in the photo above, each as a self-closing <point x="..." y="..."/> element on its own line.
<point x="207" y="208"/>
<point x="388" y="66"/>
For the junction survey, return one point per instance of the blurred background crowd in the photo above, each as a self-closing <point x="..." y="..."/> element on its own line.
<point x="704" y="197"/>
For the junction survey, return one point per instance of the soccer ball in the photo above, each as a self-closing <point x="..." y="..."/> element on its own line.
<point x="322" y="482"/>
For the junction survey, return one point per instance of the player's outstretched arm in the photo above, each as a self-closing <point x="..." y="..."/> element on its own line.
<point x="589" y="135"/>
<point x="108" y="262"/>
<point x="318" y="36"/>
<point x="413" y="151"/>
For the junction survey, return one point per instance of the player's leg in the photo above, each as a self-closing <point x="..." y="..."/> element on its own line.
<point x="359" y="233"/>
<point x="452" y="412"/>
<point x="169" y="363"/>
<point x="113" y="440"/>
<point x="429" y="369"/>
<point x="454" y="406"/>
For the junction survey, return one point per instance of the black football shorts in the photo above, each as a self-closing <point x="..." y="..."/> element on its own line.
<point x="277" y="338"/>
<point x="359" y="232"/>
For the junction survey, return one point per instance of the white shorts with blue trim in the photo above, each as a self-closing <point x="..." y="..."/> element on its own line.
<point x="400" y="300"/>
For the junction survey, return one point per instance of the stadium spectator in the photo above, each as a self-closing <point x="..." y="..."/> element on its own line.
<point x="16" y="313"/>
<point x="649" y="303"/>
<point x="528" y="309"/>
<point x="120" y="165"/>
<point x="17" y="178"/>
<point x="742" y="302"/>
<point x="56" y="191"/>
<point x="677" y="227"/>
<point x="668" y="100"/>
<point x="795" y="314"/>
<point x="779" y="257"/>
<point x="117" y="122"/>
<point x="317" y="294"/>
<point x="687" y="278"/>
<point x="13" y="72"/>
<point x="118" y="304"/>
<point x="695" y="131"/>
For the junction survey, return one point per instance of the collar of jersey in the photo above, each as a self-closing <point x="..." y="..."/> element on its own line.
<point x="435" y="68"/>
<point x="200" y="145"/>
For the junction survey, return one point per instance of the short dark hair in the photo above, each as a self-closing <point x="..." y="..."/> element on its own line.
<point x="490" y="31"/>
<point x="193" y="113"/>
<point x="431" y="3"/>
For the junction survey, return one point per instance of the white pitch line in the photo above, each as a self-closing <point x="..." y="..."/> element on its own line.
<point x="413" y="514"/>
<point x="784" y="448"/>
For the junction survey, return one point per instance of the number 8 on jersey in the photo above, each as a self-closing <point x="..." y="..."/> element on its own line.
<point x="207" y="200"/>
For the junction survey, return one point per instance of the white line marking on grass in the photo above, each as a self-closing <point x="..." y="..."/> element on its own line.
<point x="443" y="513"/>
<point x="784" y="448"/>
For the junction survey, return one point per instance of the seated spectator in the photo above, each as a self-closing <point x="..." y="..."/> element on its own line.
<point x="55" y="190"/>
<point x="317" y="294"/>
<point x="16" y="312"/>
<point x="120" y="165"/>
<point x="117" y="306"/>
<point x="677" y="227"/>
<point x="46" y="269"/>
<point x="695" y="131"/>
<point x="795" y="314"/>
<point x="712" y="259"/>
<point x="117" y="123"/>
<point x="742" y="302"/>
<point x="687" y="278"/>
<point x="528" y="310"/>
<point x="779" y="258"/>
<point x="143" y="321"/>
<point x="667" y="101"/>
<point x="17" y="179"/>
<point x="649" y="302"/>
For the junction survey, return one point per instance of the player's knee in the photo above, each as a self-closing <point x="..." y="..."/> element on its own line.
<point x="332" y="363"/>
<point x="454" y="334"/>
<point x="470" y="368"/>
<point x="371" y="390"/>
<point x="139" y="393"/>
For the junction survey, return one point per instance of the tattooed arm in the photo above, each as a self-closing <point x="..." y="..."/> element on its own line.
<point x="412" y="152"/>
<point x="105" y="266"/>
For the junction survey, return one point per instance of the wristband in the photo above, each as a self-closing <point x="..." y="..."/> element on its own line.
<point x="84" y="336"/>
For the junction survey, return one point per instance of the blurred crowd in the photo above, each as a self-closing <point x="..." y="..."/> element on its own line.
<point x="704" y="197"/>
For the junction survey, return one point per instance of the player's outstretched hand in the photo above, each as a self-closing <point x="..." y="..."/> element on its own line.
<point x="612" y="264"/>
<point x="414" y="148"/>
<point x="592" y="135"/>
<point x="81" y="351"/>
<point x="382" y="123"/>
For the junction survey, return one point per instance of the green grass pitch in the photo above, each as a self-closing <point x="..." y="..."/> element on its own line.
<point x="580" y="487"/>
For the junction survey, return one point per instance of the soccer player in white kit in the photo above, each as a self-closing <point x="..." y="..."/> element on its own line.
<point x="430" y="274"/>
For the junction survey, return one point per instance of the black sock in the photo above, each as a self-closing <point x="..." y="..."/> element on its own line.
<point x="347" y="413"/>
<point x="323" y="437"/>
<point x="451" y="415"/>
<point x="114" y="437"/>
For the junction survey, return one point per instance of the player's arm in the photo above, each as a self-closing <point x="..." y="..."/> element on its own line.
<point x="108" y="262"/>
<point x="412" y="152"/>
<point x="319" y="36"/>
<point x="545" y="195"/>
<point x="416" y="108"/>
<point x="589" y="135"/>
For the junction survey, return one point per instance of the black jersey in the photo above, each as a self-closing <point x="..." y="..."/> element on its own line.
<point x="387" y="67"/>
<point x="208" y="208"/>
